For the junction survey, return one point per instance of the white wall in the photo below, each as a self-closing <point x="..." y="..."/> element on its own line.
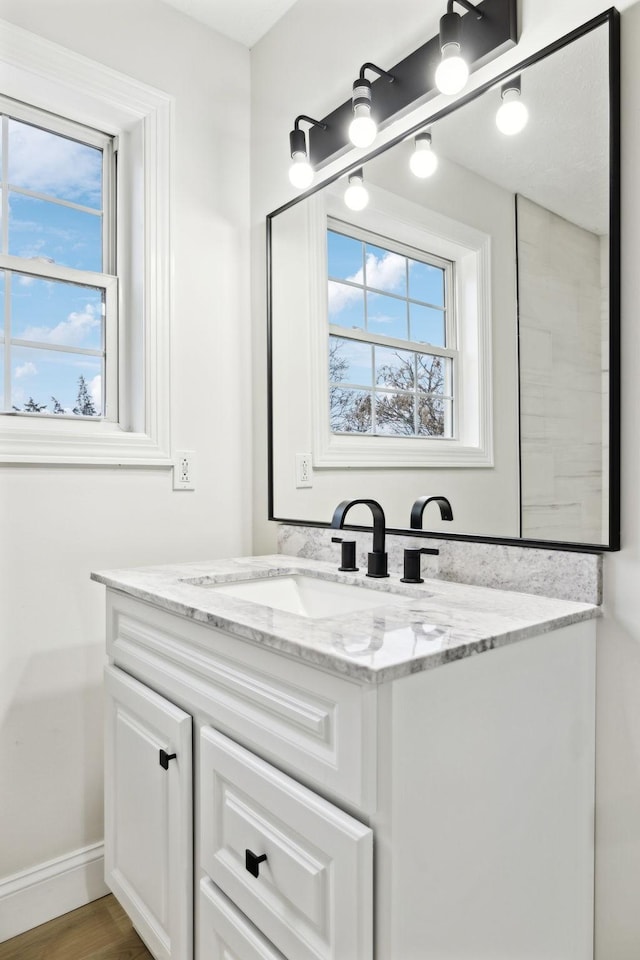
<point x="58" y="523"/>
<point x="561" y="380"/>
<point x="306" y="65"/>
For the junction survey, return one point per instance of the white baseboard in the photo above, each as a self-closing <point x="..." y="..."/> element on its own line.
<point x="34" y="896"/>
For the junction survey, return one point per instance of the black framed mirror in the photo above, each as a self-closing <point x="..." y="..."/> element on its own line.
<point x="460" y="334"/>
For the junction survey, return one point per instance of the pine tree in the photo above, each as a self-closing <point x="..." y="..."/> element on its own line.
<point x="32" y="407"/>
<point x="57" y="406"/>
<point x="85" y="406"/>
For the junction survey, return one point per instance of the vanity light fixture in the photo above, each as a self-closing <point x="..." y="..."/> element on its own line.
<point x="512" y="115"/>
<point x="485" y="31"/>
<point x="423" y="162"/>
<point x="363" y="128"/>
<point x="301" y="173"/>
<point x="356" y="196"/>
<point x="453" y="70"/>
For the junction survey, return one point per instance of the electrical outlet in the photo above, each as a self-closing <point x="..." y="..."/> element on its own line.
<point x="304" y="470"/>
<point x="184" y="470"/>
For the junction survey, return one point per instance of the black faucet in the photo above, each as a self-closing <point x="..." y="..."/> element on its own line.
<point x="417" y="510"/>
<point x="377" y="560"/>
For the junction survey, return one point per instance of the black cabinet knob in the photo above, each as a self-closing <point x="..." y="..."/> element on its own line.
<point x="252" y="862"/>
<point x="165" y="757"/>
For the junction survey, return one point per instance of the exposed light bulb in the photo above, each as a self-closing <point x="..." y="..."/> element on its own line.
<point x="452" y="72"/>
<point x="301" y="172"/>
<point x="356" y="196"/>
<point x="423" y="162"/>
<point x="512" y="115"/>
<point x="362" y="129"/>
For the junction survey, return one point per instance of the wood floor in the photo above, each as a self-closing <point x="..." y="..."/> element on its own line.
<point x="99" y="931"/>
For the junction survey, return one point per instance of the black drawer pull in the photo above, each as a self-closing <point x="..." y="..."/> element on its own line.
<point x="165" y="757"/>
<point x="252" y="862"/>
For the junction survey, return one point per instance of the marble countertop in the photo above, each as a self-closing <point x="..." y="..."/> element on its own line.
<point x="433" y="623"/>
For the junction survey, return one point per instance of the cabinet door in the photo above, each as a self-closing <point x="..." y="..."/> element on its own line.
<point x="148" y="814"/>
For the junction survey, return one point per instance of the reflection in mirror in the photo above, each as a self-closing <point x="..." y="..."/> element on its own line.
<point x="452" y="337"/>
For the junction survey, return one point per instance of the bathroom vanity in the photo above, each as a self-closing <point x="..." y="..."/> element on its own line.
<point x="399" y="772"/>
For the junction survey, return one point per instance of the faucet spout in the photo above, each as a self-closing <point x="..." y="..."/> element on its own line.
<point x="417" y="510"/>
<point x="378" y="558"/>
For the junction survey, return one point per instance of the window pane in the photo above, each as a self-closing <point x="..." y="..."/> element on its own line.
<point x="50" y="382"/>
<point x="426" y="283"/>
<point x="427" y="325"/>
<point x="395" y="368"/>
<point x="350" y="410"/>
<point x="434" y="417"/>
<point x="52" y="311"/>
<point x="346" y="306"/>
<point x="433" y="373"/>
<point x="49" y="163"/>
<point x="387" y="316"/>
<point x="344" y="255"/>
<point x="395" y="414"/>
<point x="386" y="270"/>
<point x="349" y="361"/>
<point x="41" y="229"/>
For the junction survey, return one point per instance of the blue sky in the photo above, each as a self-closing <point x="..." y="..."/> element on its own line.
<point x="50" y="311"/>
<point x="389" y="273"/>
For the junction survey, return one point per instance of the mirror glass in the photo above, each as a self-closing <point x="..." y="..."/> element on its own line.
<point x="452" y="337"/>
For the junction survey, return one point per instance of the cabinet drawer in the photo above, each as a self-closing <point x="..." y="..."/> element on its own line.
<point x="321" y="726"/>
<point x="225" y="933"/>
<point x="312" y="896"/>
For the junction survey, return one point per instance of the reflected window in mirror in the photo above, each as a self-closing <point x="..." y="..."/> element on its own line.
<point x="400" y="321"/>
<point x="391" y="330"/>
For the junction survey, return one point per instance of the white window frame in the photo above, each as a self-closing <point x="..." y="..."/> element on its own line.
<point x="49" y="77"/>
<point x="413" y="226"/>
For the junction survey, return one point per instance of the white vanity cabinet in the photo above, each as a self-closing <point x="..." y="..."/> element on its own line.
<point x="441" y="815"/>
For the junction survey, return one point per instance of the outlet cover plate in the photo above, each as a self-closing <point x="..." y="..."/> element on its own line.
<point x="184" y="470"/>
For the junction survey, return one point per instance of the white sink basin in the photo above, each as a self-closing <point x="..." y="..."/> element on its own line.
<point x="306" y="596"/>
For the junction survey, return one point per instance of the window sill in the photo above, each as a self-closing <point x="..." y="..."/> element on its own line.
<point x="415" y="452"/>
<point x="99" y="444"/>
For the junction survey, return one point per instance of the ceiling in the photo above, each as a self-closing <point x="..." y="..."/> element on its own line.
<point x="242" y="20"/>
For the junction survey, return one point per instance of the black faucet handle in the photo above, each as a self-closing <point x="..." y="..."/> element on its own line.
<point x="412" y="564"/>
<point x="348" y="555"/>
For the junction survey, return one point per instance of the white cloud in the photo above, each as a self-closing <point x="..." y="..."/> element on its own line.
<point x="72" y="332"/>
<point x="95" y="389"/>
<point x="27" y="369"/>
<point x="384" y="273"/>
<point x="52" y="164"/>
<point x="340" y="296"/>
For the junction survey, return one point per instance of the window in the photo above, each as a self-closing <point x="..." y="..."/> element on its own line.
<point x="391" y="331"/>
<point x="58" y="298"/>
<point x="113" y="334"/>
<point x="400" y="349"/>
